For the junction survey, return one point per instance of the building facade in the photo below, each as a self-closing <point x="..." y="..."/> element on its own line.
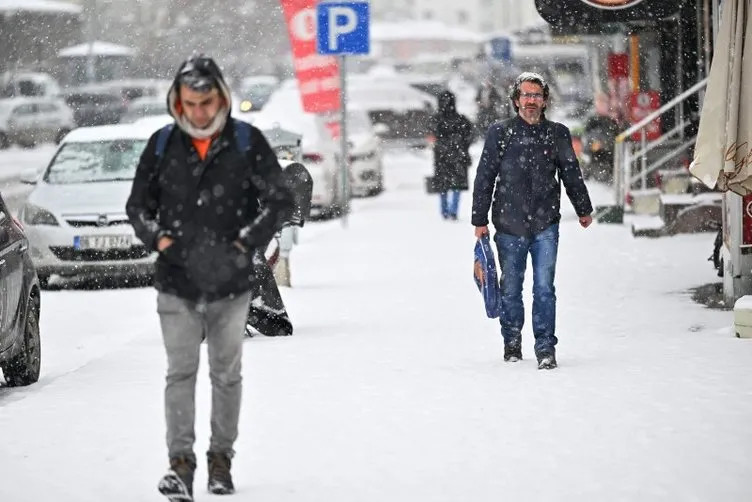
<point x="484" y="16"/>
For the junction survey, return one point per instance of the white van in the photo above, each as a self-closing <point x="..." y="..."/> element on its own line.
<point x="28" y="84"/>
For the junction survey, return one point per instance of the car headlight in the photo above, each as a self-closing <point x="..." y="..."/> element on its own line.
<point x="35" y="215"/>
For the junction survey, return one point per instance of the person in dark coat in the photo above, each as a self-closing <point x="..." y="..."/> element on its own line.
<point x="490" y="105"/>
<point x="524" y="161"/>
<point x="453" y="133"/>
<point x="206" y="202"/>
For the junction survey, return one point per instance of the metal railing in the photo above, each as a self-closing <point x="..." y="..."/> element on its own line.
<point x="632" y="156"/>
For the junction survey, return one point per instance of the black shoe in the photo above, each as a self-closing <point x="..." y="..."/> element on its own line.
<point x="512" y="352"/>
<point x="220" y="480"/>
<point x="546" y="361"/>
<point x="177" y="484"/>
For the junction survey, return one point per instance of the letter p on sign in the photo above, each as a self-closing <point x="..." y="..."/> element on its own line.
<point x="343" y="28"/>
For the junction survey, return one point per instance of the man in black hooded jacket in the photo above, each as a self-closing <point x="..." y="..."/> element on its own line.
<point x="208" y="192"/>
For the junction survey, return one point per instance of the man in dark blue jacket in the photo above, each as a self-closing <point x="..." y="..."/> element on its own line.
<point x="521" y="159"/>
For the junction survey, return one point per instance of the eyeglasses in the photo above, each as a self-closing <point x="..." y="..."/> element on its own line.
<point x="531" y="95"/>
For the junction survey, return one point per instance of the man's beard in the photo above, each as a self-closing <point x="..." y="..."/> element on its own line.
<point x="533" y="112"/>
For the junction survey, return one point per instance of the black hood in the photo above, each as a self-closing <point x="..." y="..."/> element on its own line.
<point x="447" y="103"/>
<point x="200" y="70"/>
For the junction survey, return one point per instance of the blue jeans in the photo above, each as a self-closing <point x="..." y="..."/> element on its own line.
<point x="513" y="252"/>
<point x="450" y="203"/>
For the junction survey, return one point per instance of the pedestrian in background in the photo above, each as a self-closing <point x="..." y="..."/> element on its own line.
<point x="524" y="161"/>
<point x="490" y="105"/>
<point x="196" y="200"/>
<point x="453" y="134"/>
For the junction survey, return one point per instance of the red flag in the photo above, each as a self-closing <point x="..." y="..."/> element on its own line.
<point x="318" y="75"/>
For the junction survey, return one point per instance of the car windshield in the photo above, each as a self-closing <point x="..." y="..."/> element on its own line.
<point x="95" y="161"/>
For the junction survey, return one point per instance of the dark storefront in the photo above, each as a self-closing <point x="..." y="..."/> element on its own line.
<point x="663" y="37"/>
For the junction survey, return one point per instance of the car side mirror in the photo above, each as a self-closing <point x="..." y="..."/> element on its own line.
<point x="381" y="129"/>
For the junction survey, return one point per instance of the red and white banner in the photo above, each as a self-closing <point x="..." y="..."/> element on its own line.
<point x="318" y="75"/>
<point x="642" y="104"/>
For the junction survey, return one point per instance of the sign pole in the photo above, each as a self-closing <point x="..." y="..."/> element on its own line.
<point x="344" y="171"/>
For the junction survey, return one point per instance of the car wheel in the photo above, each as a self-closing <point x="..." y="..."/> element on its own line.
<point x="4" y="141"/>
<point x="25" y="367"/>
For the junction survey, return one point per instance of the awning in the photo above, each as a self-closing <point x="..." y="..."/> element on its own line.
<point x="591" y="15"/>
<point x="723" y="150"/>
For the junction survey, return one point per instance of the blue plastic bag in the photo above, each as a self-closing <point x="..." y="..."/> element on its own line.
<point x="486" y="278"/>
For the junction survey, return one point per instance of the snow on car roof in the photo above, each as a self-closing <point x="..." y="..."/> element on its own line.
<point x="38" y="6"/>
<point x="137" y="130"/>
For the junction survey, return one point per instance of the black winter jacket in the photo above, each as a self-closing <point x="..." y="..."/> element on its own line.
<point x="527" y="194"/>
<point x="453" y="134"/>
<point x="205" y="206"/>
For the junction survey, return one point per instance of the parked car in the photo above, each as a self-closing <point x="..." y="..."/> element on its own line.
<point x="75" y="215"/>
<point x="20" y="344"/>
<point x="95" y="108"/>
<point x="255" y="91"/>
<point x="405" y="111"/>
<point x="320" y="152"/>
<point x="28" y="121"/>
<point x="144" y="107"/>
<point x="364" y="152"/>
<point x="30" y="84"/>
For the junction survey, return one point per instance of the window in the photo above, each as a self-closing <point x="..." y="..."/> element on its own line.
<point x="47" y="108"/>
<point x="25" y="109"/>
<point x="95" y="161"/>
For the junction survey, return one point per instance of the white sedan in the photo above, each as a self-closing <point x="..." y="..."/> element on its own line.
<point x="320" y="152"/>
<point x="75" y="216"/>
<point x="364" y="152"/>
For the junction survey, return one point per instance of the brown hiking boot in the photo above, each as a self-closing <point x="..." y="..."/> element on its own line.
<point x="220" y="479"/>
<point x="177" y="484"/>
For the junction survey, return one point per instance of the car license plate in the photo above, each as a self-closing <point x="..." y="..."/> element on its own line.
<point x="103" y="241"/>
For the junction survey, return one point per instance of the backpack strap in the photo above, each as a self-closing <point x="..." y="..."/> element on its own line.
<point x="242" y="135"/>
<point x="162" y="137"/>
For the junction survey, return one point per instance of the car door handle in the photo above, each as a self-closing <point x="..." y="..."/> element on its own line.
<point x="23" y="247"/>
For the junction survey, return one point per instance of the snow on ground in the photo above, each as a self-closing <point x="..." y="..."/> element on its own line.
<point x="393" y="386"/>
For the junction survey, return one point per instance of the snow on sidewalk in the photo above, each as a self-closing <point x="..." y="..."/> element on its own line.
<point x="393" y="386"/>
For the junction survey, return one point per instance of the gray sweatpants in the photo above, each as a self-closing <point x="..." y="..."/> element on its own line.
<point x="184" y="325"/>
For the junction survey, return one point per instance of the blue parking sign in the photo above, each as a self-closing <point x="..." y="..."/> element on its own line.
<point x="342" y="28"/>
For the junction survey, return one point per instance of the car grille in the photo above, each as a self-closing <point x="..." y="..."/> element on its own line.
<point x="89" y="223"/>
<point x="69" y="253"/>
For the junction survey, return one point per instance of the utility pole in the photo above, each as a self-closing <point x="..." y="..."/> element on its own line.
<point x="91" y="74"/>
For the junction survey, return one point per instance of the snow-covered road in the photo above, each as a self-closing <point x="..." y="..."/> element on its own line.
<point x="393" y="386"/>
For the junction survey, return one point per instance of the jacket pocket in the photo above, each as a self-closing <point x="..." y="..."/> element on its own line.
<point x="211" y="267"/>
<point x="175" y="253"/>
